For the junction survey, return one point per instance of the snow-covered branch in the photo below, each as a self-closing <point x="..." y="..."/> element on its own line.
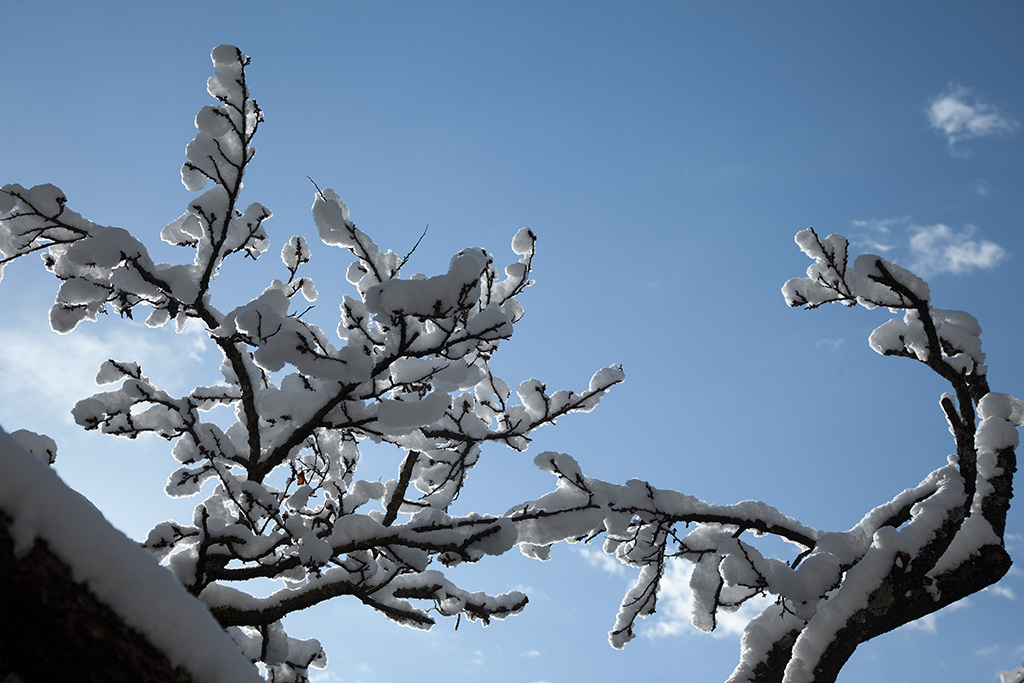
<point x="926" y="548"/>
<point x="409" y="366"/>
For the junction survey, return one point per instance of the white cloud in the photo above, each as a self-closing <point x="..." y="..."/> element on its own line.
<point x="831" y="343"/>
<point x="961" y="115"/>
<point x="531" y="654"/>
<point x="45" y="373"/>
<point x="933" y="249"/>
<point x="877" y="233"/>
<point x="596" y="557"/>
<point x="674" y="607"/>
<point x="1002" y="591"/>
<point x="673" y="616"/>
<point x="939" y="249"/>
<point x="925" y="623"/>
<point x="1011" y="541"/>
<point x="987" y="651"/>
<point x="928" y="623"/>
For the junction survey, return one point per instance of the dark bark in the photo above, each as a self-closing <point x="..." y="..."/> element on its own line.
<point x="54" y="628"/>
<point x="886" y="611"/>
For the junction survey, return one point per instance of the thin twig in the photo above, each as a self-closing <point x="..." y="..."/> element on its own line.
<point x="422" y="235"/>
<point x="319" y="191"/>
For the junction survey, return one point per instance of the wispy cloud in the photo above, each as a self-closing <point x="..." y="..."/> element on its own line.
<point x="929" y="623"/>
<point x="926" y="623"/>
<point x="877" y="233"/>
<point x="673" y="617"/>
<point x="1002" y="591"/>
<point x="35" y="383"/>
<point x="596" y="557"/>
<point x="940" y="249"/>
<point x="674" y="607"/>
<point x="928" y="249"/>
<point x="833" y="344"/>
<point x="960" y="115"/>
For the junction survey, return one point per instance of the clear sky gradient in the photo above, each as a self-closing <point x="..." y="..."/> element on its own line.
<point x="665" y="153"/>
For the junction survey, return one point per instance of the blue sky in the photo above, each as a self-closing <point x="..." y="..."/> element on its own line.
<point x="665" y="154"/>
